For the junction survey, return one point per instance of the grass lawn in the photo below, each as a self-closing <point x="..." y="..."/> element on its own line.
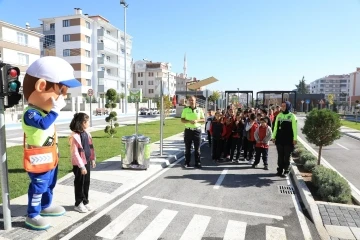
<point x="351" y="124"/>
<point x="105" y="148"/>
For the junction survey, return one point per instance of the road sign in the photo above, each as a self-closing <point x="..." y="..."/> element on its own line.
<point x="90" y="92"/>
<point x="307" y="101"/>
<point x="135" y="95"/>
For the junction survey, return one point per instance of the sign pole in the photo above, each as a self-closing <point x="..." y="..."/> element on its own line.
<point x="137" y="118"/>
<point x="3" y="165"/>
<point x="161" y="117"/>
<point x="90" y="94"/>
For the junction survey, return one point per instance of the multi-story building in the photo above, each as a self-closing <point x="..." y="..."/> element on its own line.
<point x="338" y="85"/>
<point x="146" y="75"/>
<point x="93" y="46"/>
<point x="19" y="46"/>
<point x="354" y="89"/>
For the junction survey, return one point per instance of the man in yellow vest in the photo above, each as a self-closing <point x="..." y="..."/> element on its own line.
<point x="193" y="117"/>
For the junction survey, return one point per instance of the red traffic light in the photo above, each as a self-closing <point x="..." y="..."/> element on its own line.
<point x="13" y="73"/>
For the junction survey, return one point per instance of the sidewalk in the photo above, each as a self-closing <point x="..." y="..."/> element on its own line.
<point x="108" y="181"/>
<point x="350" y="132"/>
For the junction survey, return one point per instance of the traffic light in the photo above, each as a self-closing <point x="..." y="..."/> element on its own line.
<point x="11" y="85"/>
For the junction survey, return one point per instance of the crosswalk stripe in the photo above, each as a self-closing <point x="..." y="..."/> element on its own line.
<point x="275" y="233"/>
<point x="196" y="228"/>
<point x="235" y="230"/>
<point x="121" y="222"/>
<point x="158" y="225"/>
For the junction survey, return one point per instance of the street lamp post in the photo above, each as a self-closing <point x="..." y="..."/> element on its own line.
<point x="122" y="2"/>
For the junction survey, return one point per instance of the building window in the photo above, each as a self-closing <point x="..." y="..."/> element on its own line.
<point x="23" y="59"/>
<point x="87" y="25"/>
<point x="108" y="58"/>
<point x="66" y="38"/>
<point x="52" y="26"/>
<point x="123" y="50"/>
<point x="66" y="23"/>
<point x="88" y="68"/>
<point x="151" y="82"/>
<point x="88" y="82"/>
<point x="87" y="39"/>
<point x="141" y="74"/>
<point x="66" y="52"/>
<point x="151" y="74"/>
<point x="108" y="32"/>
<point x="22" y="38"/>
<point x="87" y="53"/>
<point x="151" y="90"/>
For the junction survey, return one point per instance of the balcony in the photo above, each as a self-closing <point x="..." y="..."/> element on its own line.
<point x="101" y="47"/>
<point x="105" y="75"/>
<point x="105" y="62"/>
<point x="103" y="33"/>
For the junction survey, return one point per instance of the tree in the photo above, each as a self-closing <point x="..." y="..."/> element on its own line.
<point x="301" y="87"/>
<point x="167" y="105"/>
<point x="322" y="128"/>
<point x="214" y="97"/>
<point x="111" y="96"/>
<point x="122" y="96"/>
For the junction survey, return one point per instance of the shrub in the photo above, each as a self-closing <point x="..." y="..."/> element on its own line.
<point x="298" y="151"/>
<point x="309" y="165"/>
<point x="306" y="156"/>
<point x="330" y="185"/>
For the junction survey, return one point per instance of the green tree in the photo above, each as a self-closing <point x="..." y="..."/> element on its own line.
<point x="322" y="128"/>
<point x="167" y="105"/>
<point x="111" y="96"/>
<point x="214" y="97"/>
<point x="301" y="87"/>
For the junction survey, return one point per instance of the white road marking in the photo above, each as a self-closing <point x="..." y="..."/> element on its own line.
<point x="214" y="208"/>
<point x="117" y="202"/>
<point x="326" y="164"/>
<point x="220" y="179"/>
<point x="121" y="222"/>
<point x="154" y="230"/>
<point x="275" y="233"/>
<point x="235" y="230"/>
<point x="342" y="146"/>
<point x="302" y="220"/>
<point x="196" y="228"/>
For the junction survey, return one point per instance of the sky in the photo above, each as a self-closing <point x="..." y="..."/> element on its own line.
<point x="247" y="44"/>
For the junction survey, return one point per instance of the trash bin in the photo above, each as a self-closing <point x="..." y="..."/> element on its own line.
<point x="127" y="150"/>
<point x="143" y="151"/>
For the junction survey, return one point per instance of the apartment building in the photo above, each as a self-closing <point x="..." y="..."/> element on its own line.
<point x="354" y="89"/>
<point x="146" y="75"/>
<point x="332" y="84"/>
<point x="19" y="46"/>
<point x="93" y="46"/>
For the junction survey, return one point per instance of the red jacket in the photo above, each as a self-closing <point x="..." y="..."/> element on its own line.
<point x="251" y="132"/>
<point x="228" y="131"/>
<point x="263" y="134"/>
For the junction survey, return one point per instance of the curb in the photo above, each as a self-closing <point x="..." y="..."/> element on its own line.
<point x="352" y="136"/>
<point x="309" y="202"/>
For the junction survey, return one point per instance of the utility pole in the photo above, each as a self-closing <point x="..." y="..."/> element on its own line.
<point x="122" y="2"/>
<point x="168" y="80"/>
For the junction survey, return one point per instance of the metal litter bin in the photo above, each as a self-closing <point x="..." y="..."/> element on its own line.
<point x="143" y="151"/>
<point x="127" y="151"/>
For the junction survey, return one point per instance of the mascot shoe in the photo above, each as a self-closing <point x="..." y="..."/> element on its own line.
<point x="37" y="223"/>
<point x="53" y="211"/>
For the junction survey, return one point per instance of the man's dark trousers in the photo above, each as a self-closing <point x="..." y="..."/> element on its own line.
<point x="209" y="137"/>
<point x="191" y="136"/>
<point x="284" y="152"/>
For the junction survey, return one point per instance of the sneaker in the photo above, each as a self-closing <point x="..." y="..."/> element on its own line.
<point x="266" y="167"/>
<point x="253" y="166"/>
<point x="81" y="208"/>
<point x="286" y="173"/>
<point x="198" y="165"/>
<point x="88" y="207"/>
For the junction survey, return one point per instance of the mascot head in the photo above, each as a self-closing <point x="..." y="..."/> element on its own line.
<point x="48" y="77"/>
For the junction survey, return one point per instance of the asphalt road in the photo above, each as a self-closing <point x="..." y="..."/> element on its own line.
<point x="195" y="204"/>
<point x="343" y="155"/>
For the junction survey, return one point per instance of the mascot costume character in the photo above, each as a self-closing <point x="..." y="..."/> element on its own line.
<point x="45" y="85"/>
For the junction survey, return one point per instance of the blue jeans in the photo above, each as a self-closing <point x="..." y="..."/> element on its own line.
<point x="40" y="191"/>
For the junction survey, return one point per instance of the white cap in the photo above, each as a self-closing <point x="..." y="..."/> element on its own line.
<point x="55" y="70"/>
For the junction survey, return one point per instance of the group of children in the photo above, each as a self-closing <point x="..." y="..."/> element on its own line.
<point x="236" y="131"/>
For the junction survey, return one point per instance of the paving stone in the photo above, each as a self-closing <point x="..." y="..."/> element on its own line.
<point x="324" y="214"/>
<point x="331" y="210"/>
<point x="342" y="219"/>
<point x="326" y="218"/>
<point x="335" y="223"/>
<point x="344" y="224"/>
<point x="347" y="215"/>
<point x="332" y="214"/>
<point x="96" y="185"/>
<point x="328" y="222"/>
<point x="356" y="217"/>
<point x="350" y="220"/>
<point x="352" y="224"/>
<point x="357" y="224"/>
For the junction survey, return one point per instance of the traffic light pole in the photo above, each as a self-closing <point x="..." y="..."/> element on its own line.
<point x="3" y="165"/>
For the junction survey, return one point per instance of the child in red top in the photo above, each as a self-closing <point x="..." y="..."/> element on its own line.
<point x="262" y="137"/>
<point x="228" y="137"/>
<point x="250" y="128"/>
<point x="217" y="131"/>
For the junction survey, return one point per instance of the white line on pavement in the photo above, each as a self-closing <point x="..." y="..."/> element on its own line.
<point x="121" y="222"/>
<point x="196" y="228"/>
<point x="303" y="224"/>
<point x="235" y="230"/>
<point x="214" y="208"/>
<point x="326" y="164"/>
<point x="275" y="233"/>
<point x="342" y="146"/>
<point x="220" y="179"/>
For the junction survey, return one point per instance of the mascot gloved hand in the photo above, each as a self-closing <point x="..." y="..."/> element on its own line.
<point x="45" y="86"/>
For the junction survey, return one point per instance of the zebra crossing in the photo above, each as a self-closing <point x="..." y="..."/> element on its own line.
<point x="196" y="228"/>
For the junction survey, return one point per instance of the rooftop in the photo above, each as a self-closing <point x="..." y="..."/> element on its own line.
<point x="29" y="31"/>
